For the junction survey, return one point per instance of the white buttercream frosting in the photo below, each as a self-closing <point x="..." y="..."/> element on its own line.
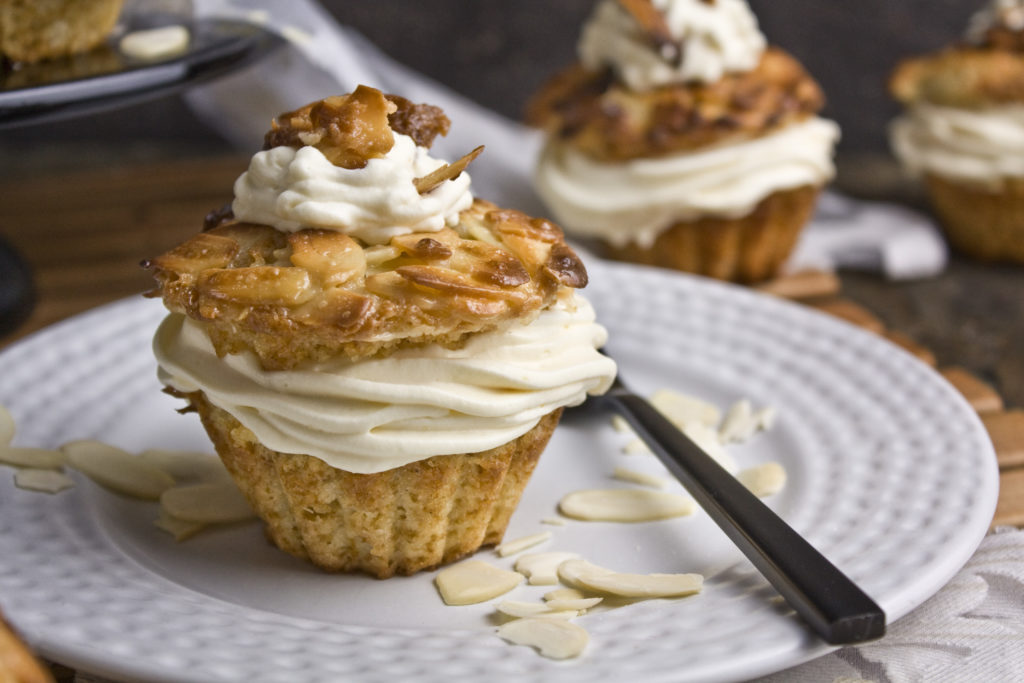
<point x="291" y="189"/>
<point x="377" y="414"/>
<point x="980" y="146"/>
<point x="636" y="200"/>
<point x="708" y="41"/>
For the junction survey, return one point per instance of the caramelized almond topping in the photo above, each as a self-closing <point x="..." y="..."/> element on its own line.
<point x="446" y="172"/>
<point x="652" y="22"/>
<point x="421" y="122"/>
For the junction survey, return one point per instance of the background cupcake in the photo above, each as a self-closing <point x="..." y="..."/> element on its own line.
<point x="963" y="131"/>
<point x="378" y="357"/>
<point x="680" y="139"/>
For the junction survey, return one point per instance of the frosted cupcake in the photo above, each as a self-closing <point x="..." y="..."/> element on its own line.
<point x="963" y="132"/>
<point x="681" y="139"/>
<point x="378" y="357"/>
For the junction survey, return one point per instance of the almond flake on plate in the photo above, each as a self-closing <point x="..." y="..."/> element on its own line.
<point x="763" y="480"/>
<point x="519" y="610"/>
<point x="207" y="502"/>
<point x="117" y="470"/>
<point x="583" y="574"/>
<point x="473" y="581"/>
<point x="625" y="505"/>
<point x="37" y="458"/>
<point x="43" y="481"/>
<point x="179" y="528"/>
<point x="541" y="569"/>
<point x="642" y="478"/>
<point x="187" y="465"/>
<point x="683" y="410"/>
<point x="553" y="638"/>
<point x="520" y="544"/>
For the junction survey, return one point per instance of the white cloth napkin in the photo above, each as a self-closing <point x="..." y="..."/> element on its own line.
<point x="327" y="58"/>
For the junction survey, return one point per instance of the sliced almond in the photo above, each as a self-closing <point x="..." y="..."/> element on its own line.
<point x="473" y="581"/>
<point x="117" y="470"/>
<point x="636" y="447"/>
<point x="43" y="481"/>
<point x="765" y="418"/>
<point x="620" y="424"/>
<point x="684" y="410"/>
<point x="565" y="594"/>
<point x="447" y="172"/>
<point x="38" y="458"/>
<point x="763" y="480"/>
<point x="583" y="574"/>
<point x="6" y="426"/>
<point x="518" y="609"/>
<point x="577" y="604"/>
<point x="520" y="544"/>
<point x="624" y="505"/>
<point x="155" y="43"/>
<point x="652" y="22"/>
<point x="553" y="638"/>
<point x="707" y="438"/>
<point x="553" y="521"/>
<point x="738" y="424"/>
<point x="187" y="466"/>
<point x="207" y="502"/>
<point x="642" y="478"/>
<point x="179" y="528"/>
<point x="541" y="569"/>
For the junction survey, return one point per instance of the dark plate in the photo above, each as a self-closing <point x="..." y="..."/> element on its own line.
<point x="105" y="78"/>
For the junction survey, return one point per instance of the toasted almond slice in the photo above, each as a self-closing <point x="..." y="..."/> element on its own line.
<point x="187" y="465"/>
<point x="38" y="458"/>
<point x="565" y="594"/>
<point x="583" y="574"/>
<point x="553" y="638"/>
<point x="6" y="426"/>
<point x="473" y="581"/>
<point x="44" y="481"/>
<point x="576" y="604"/>
<point x="642" y="478"/>
<point x="520" y="544"/>
<point x="624" y="505"/>
<point x="208" y="502"/>
<point x="650" y="19"/>
<point x="541" y="569"/>
<point x="446" y="172"/>
<point x="684" y="410"/>
<point x="116" y="469"/>
<point x="519" y="609"/>
<point x="763" y="480"/>
<point x="381" y="253"/>
<point x="179" y="528"/>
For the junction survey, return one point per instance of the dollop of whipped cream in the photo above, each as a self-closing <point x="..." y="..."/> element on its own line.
<point x="292" y="189"/>
<point x="376" y="414"/>
<point x="979" y="146"/>
<point x="635" y="201"/>
<point x="709" y="39"/>
<point x="999" y="13"/>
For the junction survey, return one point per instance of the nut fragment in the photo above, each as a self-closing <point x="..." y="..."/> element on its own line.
<point x="553" y="638"/>
<point x="541" y="569"/>
<point x="473" y="581"/>
<point x="117" y="470"/>
<point x="190" y="466"/>
<point x="683" y="410"/>
<point x="520" y="544"/>
<point x="624" y="505"/>
<point x="207" y="502"/>
<point x="44" y="481"/>
<point x="6" y="426"/>
<point x="38" y="458"/>
<point x="518" y="609"/>
<point x="642" y="478"/>
<point x="446" y="172"/>
<point x="179" y="528"/>
<point x="763" y="480"/>
<point x="583" y="574"/>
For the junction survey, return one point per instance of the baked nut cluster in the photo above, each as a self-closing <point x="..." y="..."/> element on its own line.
<point x="609" y="122"/>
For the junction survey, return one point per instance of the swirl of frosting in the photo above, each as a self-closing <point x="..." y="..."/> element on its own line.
<point x="708" y="39"/>
<point x="1007" y="14"/>
<point x="291" y="189"/>
<point x="636" y="200"/>
<point x="980" y="146"/>
<point x="377" y="414"/>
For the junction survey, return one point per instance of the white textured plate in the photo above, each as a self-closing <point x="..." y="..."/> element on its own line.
<point x="891" y="475"/>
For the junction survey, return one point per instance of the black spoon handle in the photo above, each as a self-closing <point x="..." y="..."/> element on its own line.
<point x="831" y="603"/>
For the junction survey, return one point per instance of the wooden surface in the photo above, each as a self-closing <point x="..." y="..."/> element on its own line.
<point x="85" y="233"/>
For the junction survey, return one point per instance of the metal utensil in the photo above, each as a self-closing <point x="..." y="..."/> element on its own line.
<point x="834" y="607"/>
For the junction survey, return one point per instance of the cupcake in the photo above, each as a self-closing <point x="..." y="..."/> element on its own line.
<point x="963" y="132"/>
<point x="378" y="357"/>
<point x="680" y="139"/>
<point x="31" y="31"/>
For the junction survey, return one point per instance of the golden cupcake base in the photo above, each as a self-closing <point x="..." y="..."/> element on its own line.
<point x="987" y="225"/>
<point x="748" y="249"/>
<point x="399" y="521"/>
